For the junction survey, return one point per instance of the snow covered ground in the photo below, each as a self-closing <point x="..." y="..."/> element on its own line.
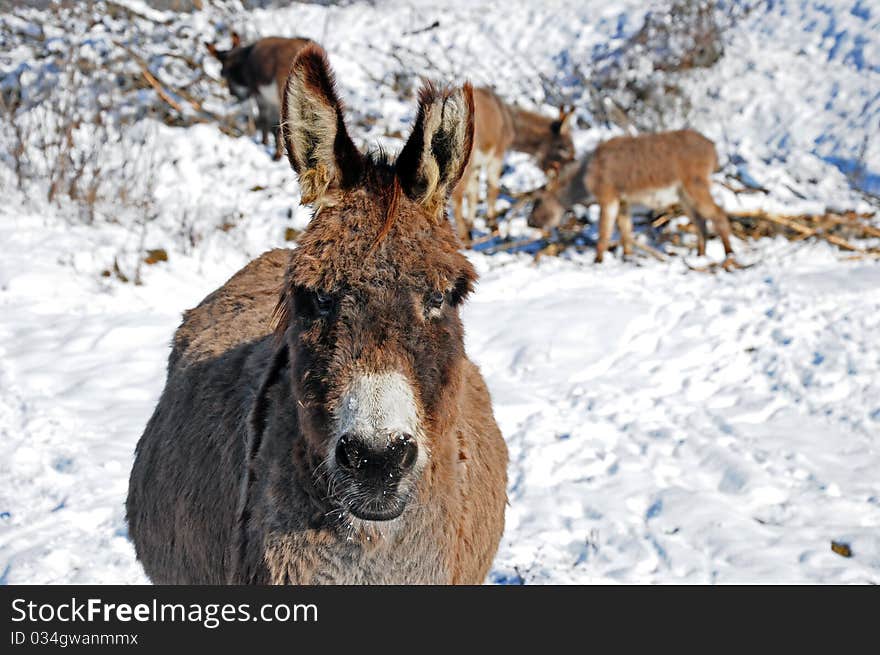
<point x="664" y="425"/>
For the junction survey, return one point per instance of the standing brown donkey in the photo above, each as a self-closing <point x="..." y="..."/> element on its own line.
<point x="259" y="71"/>
<point x="654" y="170"/>
<point x="356" y="443"/>
<point x="498" y="127"/>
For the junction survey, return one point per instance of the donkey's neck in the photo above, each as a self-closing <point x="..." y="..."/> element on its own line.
<point x="573" y="188"/>
<point x="530" y="130"/>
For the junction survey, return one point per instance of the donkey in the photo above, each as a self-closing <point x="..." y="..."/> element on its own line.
<point x="654" y="170"/>
<point x="259" y="71"/>
<point x="356" y="443"/>
<point x="499" y="127"/>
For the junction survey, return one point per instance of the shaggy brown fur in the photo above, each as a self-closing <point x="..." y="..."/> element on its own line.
<point x="262" y="65"/>
<point x="548" y="140"/>
<point x="654" y="170"/>
<point x="233" y="479"/>
<point x="499" y="127"/>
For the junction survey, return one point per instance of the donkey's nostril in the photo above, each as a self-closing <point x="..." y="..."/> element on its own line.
<point x="404" y="450"/>
<point x="360" y="459"/>
<point x="349" y="453"/>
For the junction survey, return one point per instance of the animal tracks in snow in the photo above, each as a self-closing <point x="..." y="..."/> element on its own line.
<point x="703" y="435"/>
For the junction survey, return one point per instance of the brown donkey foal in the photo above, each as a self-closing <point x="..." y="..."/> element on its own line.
<point x="654" y="170"/>
<point x="259" y="70"/>
<point x="356" y="443"/>
<point x="498" y="127"/>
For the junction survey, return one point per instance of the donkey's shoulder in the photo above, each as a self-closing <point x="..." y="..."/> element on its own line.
<point x="238" y="313"/>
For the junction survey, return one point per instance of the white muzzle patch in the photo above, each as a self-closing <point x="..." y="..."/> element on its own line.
<point x="377" y="405"/>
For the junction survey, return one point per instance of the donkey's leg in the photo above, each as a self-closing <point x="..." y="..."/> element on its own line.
<point x="278" y="142"/>
<point x="625" y="227"/>
<point x="264" y="122"/>
<point x="699" y="194"/>
<point x="607" y="216"/>
<point x="472" y="192"/>
<point x="702" y="233"/>
<point x="461" y="225"/>
<point x="696" y="220"/>
<point x="493" y="182"/>
<point x="276" y="121"/>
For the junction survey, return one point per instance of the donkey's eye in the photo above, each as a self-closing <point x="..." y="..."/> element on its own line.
<point x="434" y="303"/>
<point x="312" y="304"/>
<point x="323" y="303"/>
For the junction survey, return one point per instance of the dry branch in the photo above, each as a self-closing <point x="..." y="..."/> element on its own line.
<point x="165" y="92"/>
<point x="747" y="187"/>
<point x="485" y="238"/>
<point x="656" y="254"/>
<point x="148" y="76"/>
<point x="820" y="226"/>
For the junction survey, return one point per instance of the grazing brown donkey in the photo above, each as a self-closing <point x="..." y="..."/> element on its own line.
<point x="499" y="127"/>
<point x="654" y="170"/>
<point x="356" y="444"/>
<point x="259" y="71"/>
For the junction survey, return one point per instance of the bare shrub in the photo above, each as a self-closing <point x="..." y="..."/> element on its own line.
<point x="638" y="86"/>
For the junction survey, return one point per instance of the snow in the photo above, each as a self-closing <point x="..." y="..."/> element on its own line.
<point x="664" y="425"/>
<point x="722" y="432"/>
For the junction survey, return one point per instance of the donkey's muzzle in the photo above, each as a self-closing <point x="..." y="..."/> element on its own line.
<point x="383" y="466"/>
<point x="373" y="489"/>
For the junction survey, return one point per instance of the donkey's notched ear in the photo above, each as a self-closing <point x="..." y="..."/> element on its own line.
<point x="563" y="124"/>
<point x="434" y="158"/>
<point x="313" y="129"/>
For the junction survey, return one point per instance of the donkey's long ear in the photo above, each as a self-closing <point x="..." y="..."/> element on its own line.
<point x="566" y="115"/>
<point x="212" y="49"/>
<point x="313" y="128"/>
<point x="434" y="158"/>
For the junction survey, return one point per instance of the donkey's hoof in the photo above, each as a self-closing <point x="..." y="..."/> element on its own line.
<point x="731" y="264"/>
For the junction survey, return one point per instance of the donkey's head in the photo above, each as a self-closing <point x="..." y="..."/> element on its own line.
<point x="547" y="211"/>
<point x="370" y="305"/>
<point x="234" y="66"/>
<point x="547" y="208"/>
<point x="558" y="148"/>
